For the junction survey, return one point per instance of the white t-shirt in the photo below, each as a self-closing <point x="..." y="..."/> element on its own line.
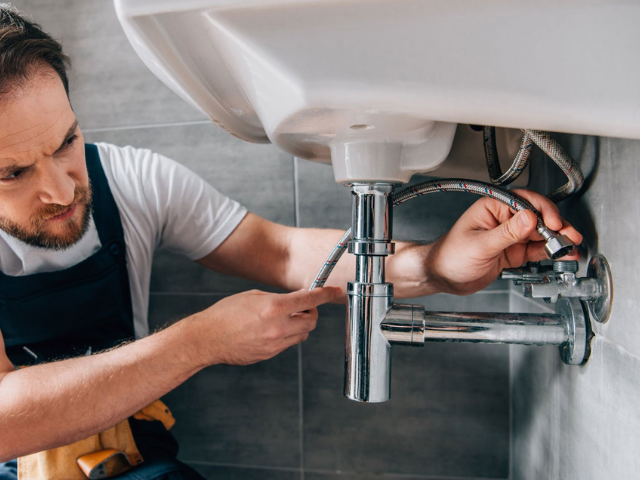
<point x="162" y="204"/>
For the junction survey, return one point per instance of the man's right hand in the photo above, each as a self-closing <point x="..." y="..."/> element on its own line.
<point x="253" y="326"/>
<point x="239" y="330"/>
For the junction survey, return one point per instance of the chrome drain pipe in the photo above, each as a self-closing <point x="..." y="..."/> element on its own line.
<point x="369" y="298"/>
<point x="568" y="328"/>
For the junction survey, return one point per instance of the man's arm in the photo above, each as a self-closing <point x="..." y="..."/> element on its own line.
<point x="50" y="405"/>
<point x="486" y="239"/>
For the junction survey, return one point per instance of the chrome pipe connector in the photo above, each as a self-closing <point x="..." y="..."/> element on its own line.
<point x="371" y="215"/>
<point x="556" y="245"/>
<point x="404" y="325"/>
<point x="368" y="353"/>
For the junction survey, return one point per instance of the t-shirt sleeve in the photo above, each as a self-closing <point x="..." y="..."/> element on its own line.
<point x="195" y="218"/>
<point x="187" y="215"/>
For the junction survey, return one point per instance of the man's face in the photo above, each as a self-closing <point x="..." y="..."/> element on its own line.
<point x="45" y="196"/>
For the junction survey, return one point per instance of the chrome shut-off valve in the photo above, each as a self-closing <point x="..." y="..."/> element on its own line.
<point x="560" y="280"/>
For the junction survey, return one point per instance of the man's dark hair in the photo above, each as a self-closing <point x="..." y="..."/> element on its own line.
<point x="23" y="47"/>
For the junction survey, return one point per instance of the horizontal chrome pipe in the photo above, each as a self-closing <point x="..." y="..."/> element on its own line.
<point x="519" y="328"/>
<point x="411" y="325"/>
<point x="569" y="328"/>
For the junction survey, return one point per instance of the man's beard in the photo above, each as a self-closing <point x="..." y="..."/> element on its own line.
<point x="37" y="236"/>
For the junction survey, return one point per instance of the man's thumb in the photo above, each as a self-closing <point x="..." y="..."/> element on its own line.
<point x="305" y="299"/>
<point x="515" y="230"/>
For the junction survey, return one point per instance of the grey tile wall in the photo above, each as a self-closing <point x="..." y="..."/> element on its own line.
<point x="110" y="86"/>
<point x="234" y="415"/>
<point x="582" y="422"/>
<point x="447" y="413"/>
<point x="286" y="418"/>
<point x="316" y="475"/>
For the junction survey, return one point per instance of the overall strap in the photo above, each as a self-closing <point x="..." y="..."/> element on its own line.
<point x="86" y="307"/>
<point x="105" y="211"/>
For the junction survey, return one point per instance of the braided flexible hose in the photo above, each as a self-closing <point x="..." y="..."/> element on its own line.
<point x="493" y="164"/>
<point x="570" y="168"/>
<point x="449" y="185"/>
<point x="468" y="186"/>
<point x="331" y="260"/>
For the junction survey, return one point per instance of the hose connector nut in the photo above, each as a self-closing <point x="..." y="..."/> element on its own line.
<point x="558" y="246"/>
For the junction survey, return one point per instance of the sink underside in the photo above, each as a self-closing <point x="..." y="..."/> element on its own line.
<point x="314" y="77"/>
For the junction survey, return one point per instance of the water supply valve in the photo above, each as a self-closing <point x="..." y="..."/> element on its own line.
<point x="560" y="280"/>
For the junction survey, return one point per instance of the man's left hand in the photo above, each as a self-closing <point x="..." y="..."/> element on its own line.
<point x="488" y="238"/>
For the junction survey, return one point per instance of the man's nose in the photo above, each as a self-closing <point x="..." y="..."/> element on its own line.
<point x="56" y="185"/>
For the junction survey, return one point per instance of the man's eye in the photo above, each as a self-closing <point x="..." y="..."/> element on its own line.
<point x="70" y="140"/>
<point x="14" y="175"/>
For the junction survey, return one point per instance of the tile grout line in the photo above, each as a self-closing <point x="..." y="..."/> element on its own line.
<point x="240" y="465"/>
<point x="300" y="412"/>
<point x="406" y="475"/>
<point x="143" y="126"/>
<point x="510" y="472"/>
<point x="338" y="472"/>
<point x="511" y="459"/>
<point x="296" y="222"/>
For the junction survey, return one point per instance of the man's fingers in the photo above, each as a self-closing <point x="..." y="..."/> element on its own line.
<point x="300" y="325"/>
<point x="548" y="209"/>
<point x="571" y="233"/>
<point x="306" y="300"/>
<point x="515" y="230"/>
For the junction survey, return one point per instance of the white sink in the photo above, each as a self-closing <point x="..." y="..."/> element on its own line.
<point x="377" y="87"/>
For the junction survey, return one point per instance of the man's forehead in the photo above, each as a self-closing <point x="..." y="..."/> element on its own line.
<point x="34" y="118"/>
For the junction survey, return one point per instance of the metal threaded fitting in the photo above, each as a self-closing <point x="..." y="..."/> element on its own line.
<point x="565" y="266"/>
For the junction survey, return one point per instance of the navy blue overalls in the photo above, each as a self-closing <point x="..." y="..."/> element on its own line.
<point x="87" y="307"/>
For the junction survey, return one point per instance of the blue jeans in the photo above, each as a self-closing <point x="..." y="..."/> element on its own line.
<point x="9" y="470"/>
<point x="156" y="469"/>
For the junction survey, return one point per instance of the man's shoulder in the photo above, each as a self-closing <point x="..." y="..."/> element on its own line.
<point x="135" y="162"/>
<point x="128" y="171"/>
<point x="127" y="157"/>
<point x="133" y="168"/>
